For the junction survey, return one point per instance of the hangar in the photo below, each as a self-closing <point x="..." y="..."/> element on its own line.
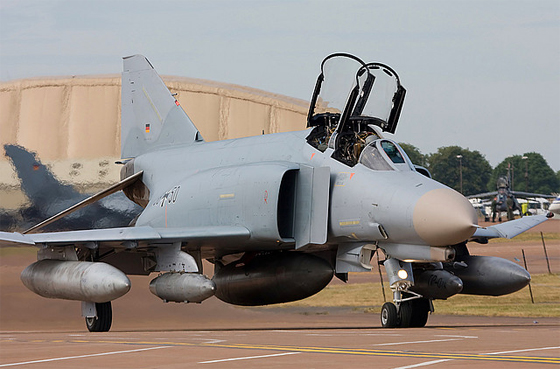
<point x="73" y="123"/>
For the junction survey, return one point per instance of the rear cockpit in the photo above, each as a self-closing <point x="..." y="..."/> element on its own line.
<point x="352" y="102"/>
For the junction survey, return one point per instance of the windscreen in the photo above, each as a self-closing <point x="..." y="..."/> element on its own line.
<point x="384" y="155"/>
<point x="392" y="152"/>
<point x="371" y="157"/>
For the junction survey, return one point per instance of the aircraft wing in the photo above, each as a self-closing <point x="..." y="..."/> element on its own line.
<point x="8" y="239"/>
<point x="483" y="195"/>
<point x="530" y="194"/>
<point x="125" y="237"/>
<point x="508" y="229"/>
<point x="515" y="193"/>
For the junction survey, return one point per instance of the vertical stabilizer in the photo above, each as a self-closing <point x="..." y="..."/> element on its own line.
<point x="150" y="117"/>
<point x="37" y="181"/>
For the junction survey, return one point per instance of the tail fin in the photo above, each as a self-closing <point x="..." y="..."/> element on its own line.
<point x="37" y="181"/>
<point x="150" y="116"/>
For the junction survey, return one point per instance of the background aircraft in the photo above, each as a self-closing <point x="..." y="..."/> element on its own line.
<point x="505" y="199"/>
<point x="555" y="207"/>
<point x="47" y="196"/>
<point x="278" y="215"/>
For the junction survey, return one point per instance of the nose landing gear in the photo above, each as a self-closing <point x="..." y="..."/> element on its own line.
<point x="409" y="308"/>
<point x="409" y="313"/>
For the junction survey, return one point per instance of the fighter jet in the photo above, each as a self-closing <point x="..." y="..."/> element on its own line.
<point x="505" y="199"/>
<point x="47" y="196"/>
<point x="278" y="215"/>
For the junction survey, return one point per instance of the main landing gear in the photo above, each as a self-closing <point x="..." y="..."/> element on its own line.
<point x="101" y="322"/>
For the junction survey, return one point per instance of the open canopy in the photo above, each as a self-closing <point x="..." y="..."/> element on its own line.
<point x="349" y="90"/>
<point x="350" y="98"/>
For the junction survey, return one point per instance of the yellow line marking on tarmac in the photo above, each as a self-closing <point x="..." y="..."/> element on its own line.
<point x="414" y="342"/>
<point x="428" y="363"/>
<point x="347" y="351"/>
<point x="334" y="350"/>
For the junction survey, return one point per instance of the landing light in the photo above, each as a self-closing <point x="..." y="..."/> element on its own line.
<point x="402" y="274"/>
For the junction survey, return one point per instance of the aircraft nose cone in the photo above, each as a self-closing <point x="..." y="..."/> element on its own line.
<point x="444" y="217"/>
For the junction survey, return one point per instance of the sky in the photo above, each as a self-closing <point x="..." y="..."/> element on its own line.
<point x="483" y="75"/>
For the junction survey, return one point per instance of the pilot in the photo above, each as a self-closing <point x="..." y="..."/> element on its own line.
<point x="497" y="201"/>
<point x="511" y="206"/>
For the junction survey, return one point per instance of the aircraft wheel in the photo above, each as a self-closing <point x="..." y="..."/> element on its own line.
<point x="389" y="316"/>
<point x="104" y="318"/>
<point x="405" y="314"/>
<point x="420" y="311"/>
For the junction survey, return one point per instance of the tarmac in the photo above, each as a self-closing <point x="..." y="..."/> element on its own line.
<point x="457" y="342"/>
<point x="146" y="333"/>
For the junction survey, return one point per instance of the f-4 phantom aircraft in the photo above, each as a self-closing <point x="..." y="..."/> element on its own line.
<point x="278" y="215"/>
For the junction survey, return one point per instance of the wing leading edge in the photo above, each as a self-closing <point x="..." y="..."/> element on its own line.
<point x="509" y="229"/>
<point x="126" y="237"/>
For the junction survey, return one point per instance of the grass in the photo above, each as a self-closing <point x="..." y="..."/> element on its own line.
<point x="369" y="298"/>
<point x="546" y="294"/>
<point x="529" y="237"/>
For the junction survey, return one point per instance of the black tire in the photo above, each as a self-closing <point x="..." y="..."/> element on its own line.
<point x="420" y="312"/>
<point x="104" y="318"/>
<point x="389" y="316"/>
<point x="405" y="314"/>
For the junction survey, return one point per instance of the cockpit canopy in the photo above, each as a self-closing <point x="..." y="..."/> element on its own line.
<point x="354" y="90"/>
<point x="350" y="99"/>
<point x="385" y="155"/>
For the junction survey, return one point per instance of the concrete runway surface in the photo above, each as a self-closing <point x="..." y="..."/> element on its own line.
<point x="457" y="342"/>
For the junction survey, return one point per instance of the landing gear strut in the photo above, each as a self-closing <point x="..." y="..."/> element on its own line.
<point x="410" y="309"/>
<point x="101" y="323"/>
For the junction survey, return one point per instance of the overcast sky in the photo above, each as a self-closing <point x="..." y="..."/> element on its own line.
<point x="484" y="75"/>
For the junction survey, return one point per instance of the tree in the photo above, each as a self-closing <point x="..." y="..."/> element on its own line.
<point x="449" y="163"/>
<point x="532" y="174"/>
<point x="414" y="154"/>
